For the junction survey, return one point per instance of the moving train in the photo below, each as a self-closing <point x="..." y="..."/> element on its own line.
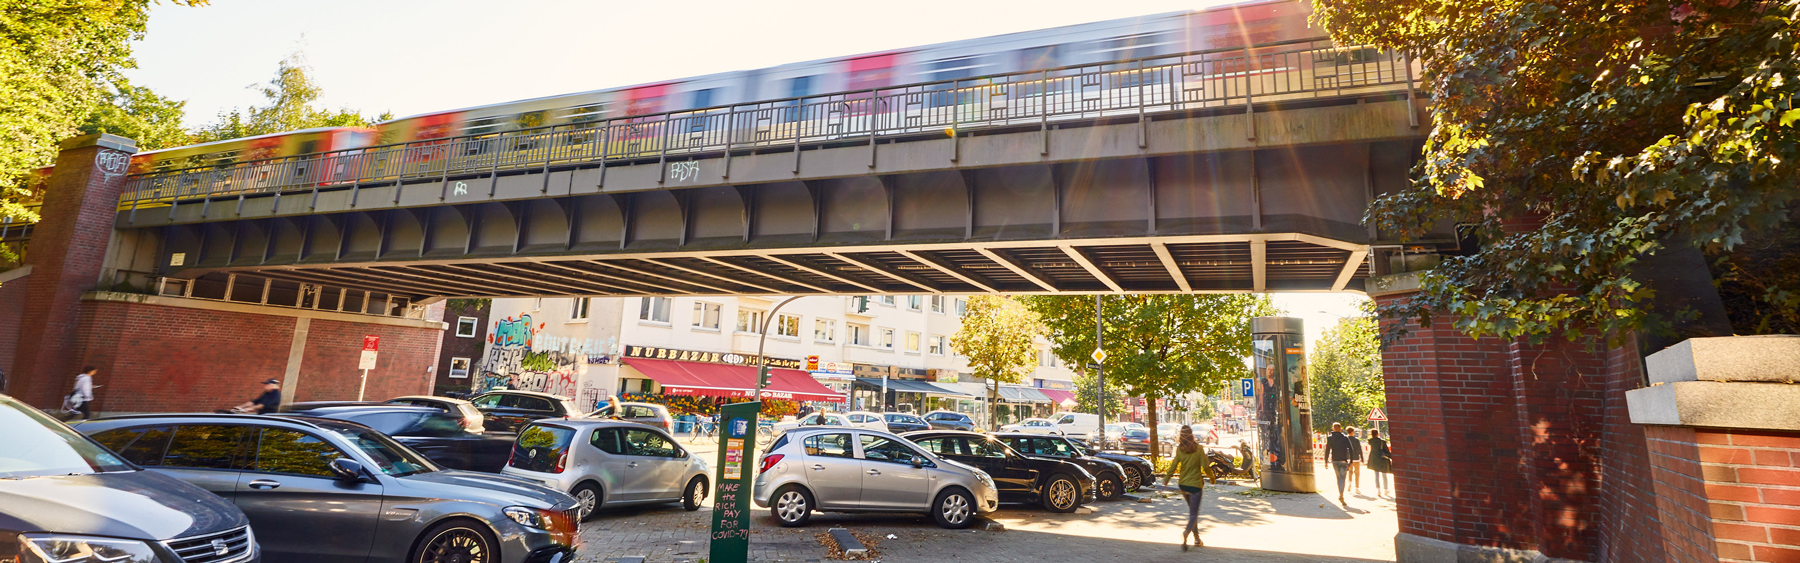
<point x="1238" y="25"/>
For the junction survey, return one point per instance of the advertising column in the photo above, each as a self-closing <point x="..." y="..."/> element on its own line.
<point x="1283" y="409"/>
<point x="737" y="465"/>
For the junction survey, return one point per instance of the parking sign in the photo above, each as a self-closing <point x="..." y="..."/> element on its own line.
<point x="1249" y="387"/>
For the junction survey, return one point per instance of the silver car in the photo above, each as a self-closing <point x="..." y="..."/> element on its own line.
<point x="860" y="470"/>
<point x="608" y="463"/>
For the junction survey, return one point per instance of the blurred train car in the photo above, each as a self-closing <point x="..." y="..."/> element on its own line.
<point x="208" y="163"/>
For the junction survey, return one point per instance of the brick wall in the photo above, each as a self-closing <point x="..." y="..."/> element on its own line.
<point x="1651" y="508"/>
<point x="1752" y="480"/>
<point x="328" y="371"/>
<point x="12" y="307"/>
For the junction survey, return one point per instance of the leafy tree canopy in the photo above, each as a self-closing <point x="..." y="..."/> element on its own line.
<point x="136" y="113"/>
<point x="1088" y="397"/>
<point x="1627" y="127"/>
<point x="997" y="336"/>
<point x="1344" y="372"/>
<point x="291" y="97"/>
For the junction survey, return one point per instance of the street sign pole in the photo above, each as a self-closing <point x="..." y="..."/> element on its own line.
<point x="1099" y="370"/>
<point x="737" y="467"/>
<point x="371" y="346"/>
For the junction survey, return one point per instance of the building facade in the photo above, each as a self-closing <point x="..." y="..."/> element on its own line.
<point x="465" y="343"/>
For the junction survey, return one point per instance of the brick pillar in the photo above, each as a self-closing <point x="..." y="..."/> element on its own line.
<point x="68" y="248"/>
<point x="1558" y="389"/>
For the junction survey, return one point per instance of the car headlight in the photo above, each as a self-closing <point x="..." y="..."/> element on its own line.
<point x="985" y="479"/>
<point x="56" y="548"/>
<point x="528" y="517"/>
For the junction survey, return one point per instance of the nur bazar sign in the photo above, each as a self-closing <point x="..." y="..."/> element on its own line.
<point x="654" y="353"/>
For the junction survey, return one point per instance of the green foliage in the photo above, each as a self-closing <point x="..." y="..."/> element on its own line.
<point x="1344" y="373"/>
<point x="291" y="96"/>
<point x="1157" y="345"/>
<point x="1087" y="395"/>
<point x="136" y="113"/>
<point x="1625" y="127"/>
<point x="997" y="337"/>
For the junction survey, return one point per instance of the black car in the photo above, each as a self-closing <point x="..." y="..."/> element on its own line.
<point x="472" y="418"/>
<point x="508" y="411"/>
<point x="442" y="436"/>
<point x="946" y="420"/>
<point x="1060" y="486"/>
<point x="901" y="423"/>
<point x="1135" y="440"/>
<point x="1139" y="473"/>
<point x="317" y="490"/>
<point x="1109" y="476"/>
<point x="66" y="497"/>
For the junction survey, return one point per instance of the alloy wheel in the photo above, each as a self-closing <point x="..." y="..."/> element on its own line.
<point x="1133" y="481"/>
<point x="1062" y="494"/>
<point x="1106" y="488"/>
<point x="588" y="499"/>
<point x="791" y="506"/>
<point x="457" y="545"/>
<point x="955" y="509"/>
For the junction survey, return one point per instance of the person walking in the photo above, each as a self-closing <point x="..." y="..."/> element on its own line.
<point x="1189" y="460"/>
<point x="1356" y="458"/>
<point x="1381" y="461"/>
<point x="1337" y="451"/>
<point x="82" y="398"/>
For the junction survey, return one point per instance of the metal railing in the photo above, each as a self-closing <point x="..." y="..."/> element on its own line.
<point x="1261" y="74"/>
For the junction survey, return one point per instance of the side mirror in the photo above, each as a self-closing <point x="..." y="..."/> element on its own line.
<point x="917" y="463"/>
<point x="346" y="469"/>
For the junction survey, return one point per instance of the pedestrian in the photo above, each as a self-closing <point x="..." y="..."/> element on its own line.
<point x="1190" y="461"/>
<point x="1337" y="451"/>
<point x="268" y="402"/>
<point x="81" y="399"/>
<point x="1381" y="461"/>
<point x="1356" y="459"/>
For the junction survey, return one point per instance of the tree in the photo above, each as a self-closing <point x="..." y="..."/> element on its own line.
<point x="291" y="96"/>
<point x="1344" y="372"/>
<point x="1158" y="345"/>
<point x="1087" y="395"/>
<point x="141" y="115"/>
<point x="997" y="337"/>
<point x="1626" y="128"/>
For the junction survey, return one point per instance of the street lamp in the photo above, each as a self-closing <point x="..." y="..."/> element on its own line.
<point x="762" y="360"/>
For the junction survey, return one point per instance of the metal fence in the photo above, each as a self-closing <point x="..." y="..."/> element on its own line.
<point x="1138" y="87"/>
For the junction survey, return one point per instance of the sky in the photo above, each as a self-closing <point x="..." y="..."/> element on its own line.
<point x="411" y="57"/>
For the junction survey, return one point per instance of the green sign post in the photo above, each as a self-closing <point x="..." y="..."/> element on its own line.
<point x="737" y="469"/>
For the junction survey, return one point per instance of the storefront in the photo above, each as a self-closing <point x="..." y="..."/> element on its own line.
<point x="709" y="378"/>
<point x="1021" y="403"/>
<point x="904" y="395"/>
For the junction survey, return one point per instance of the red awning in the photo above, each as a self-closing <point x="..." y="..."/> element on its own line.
<point x="720" y="380"/>
<point x="1059" y="396"/>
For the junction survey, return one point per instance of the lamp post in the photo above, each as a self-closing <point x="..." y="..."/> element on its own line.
<point x="762" y="340"/>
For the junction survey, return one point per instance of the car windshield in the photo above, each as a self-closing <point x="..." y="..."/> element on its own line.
<point x="39" y="446"/>
<point x="390" y="457"/>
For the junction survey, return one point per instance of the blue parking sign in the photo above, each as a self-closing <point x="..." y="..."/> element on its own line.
<point x="1249" y="387"/>
<point x="739" y="427"/>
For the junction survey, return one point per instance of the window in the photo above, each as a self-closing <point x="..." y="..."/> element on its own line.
<point x="887" y="338"/>
<point x="648" y="443"/>
<point x="579" y="310"/>
<point x="465" y="326"/>
<point x="914" y="302"/>
<point x="1044" y="357"/>
<point x="912" y="342"/>
<point x="607" y="440"/>
<point x="859" y="335"/>
<point x="829" y="445"/>
<point x="859" y="304"/>
<point x="749" y="321"/>
<point x="876" y="448"/>
<point x="800" y="86"/>
<point x="459" y="368"/>
<point x="825" y="330"/>
<point x="986" y="447"/>
<point x="703" y="98"/>
<point x="887" y="300"/>
<point x="654" y="309"/>
<point x="787" y="325"/>
<point x="294" y="452"/>
<point x="962" y="307"/>
<point x="204" y="446"/>
<point x="937" y="303"/>
<point x="142" y="446"/>
<point x="943" y="446"/>
<point x="706" y="315"/>
<point x="937" y="345"/>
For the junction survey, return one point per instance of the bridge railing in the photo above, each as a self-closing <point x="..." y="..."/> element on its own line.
<point x="1219" y="78"/>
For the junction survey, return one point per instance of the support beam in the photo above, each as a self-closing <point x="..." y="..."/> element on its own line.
<point x="631" y="284"/>
<point x="520" y="268"/>
<point x="1162" y="253"/>
<point x="1092" y="269"/>
<point x="452" y="286"/>
<point x="667" y="277"/>
<point x="1259" y="266"/>
<point x="717" y="276"/>
<point x="535" y="286"/>
<point x="1350" y="265"/>
<point x="898" y="275"/>
<point x="327" y="277"/>
<point x="1020" y="269"/>
<point x="821" y="270"/>
<point x="769" y="275"/>
<point x="971" y="278"/>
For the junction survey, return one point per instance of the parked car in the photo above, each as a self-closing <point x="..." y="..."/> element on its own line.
<point x="472" y="418"/>
<point x="1078" y="425"/>
<point x="859" y="470"/>
<point x="1135" y="440"/>
<point x="1205" y="432"/>
<point x="814" y="419"/>
<point x="1109" y="477"/>
<point x="604" y="462"/>
<point x="947" y="420"/>
<point x="65" y="496"/>
<point x="1168" y="433"/>
<point x="317" y="489"/>
<point x="440" y="435"/>
<point x="899" y="422"/>
<point x="1113" y="432"/>
<point x="1033" y="426"/>
<point x="642" y="413"/>
<point x="1138" y="471"/>
<point x="1059" y="486"/>
<point x="508" y="411"/>
<point x="867" y="419"/>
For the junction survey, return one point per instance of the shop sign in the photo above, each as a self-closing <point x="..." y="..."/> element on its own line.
<point x="654" y="353"/>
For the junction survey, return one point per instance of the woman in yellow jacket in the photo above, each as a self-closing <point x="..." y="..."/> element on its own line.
<point x="1190" y="462"/>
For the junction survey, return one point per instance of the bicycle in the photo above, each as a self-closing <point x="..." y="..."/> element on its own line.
<point x="707" y="427"/>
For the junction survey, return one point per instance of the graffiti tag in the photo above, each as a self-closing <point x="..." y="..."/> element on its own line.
<point x="684" y="171"/>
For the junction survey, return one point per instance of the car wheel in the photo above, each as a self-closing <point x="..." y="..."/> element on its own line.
<point x="1061" y="494"/>
<point x="696" y="492"/>
<point x="792" y="507"/>
<point x="1134" y="479"/>
<point x="954" y="509"/>
<point x="1110" y="487"/>
<point x="456" y="541"/>
<point x="588" y="495"/>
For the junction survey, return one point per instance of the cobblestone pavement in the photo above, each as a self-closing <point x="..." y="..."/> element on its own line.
<point x="1236" y="527"/>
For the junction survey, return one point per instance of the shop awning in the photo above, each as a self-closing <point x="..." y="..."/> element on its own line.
<point x="1058" y="396"/>
<point x="1012" y="394"/>
<point x="910" y="386"/>
<point x="720" y="380"/>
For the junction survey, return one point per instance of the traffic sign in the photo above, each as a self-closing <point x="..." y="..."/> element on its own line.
<point x="371" y="345"/>
<point x="1099" y="355"/>
<point x="1376" y="414"/>
<point x="1249" y="388"/>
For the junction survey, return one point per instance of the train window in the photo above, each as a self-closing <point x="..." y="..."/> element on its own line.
<point x="703" y="98"/>
<point x="800" y="86"/>
<point x="484" y="125"/>
<point x="586" y="113"/>
<point x="1039" y="58"/>
<point x="1133" y="46"/>
<point x="952" y="69"/>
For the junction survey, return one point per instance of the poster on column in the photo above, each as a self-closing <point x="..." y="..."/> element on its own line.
<point x="731" y="507"/>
